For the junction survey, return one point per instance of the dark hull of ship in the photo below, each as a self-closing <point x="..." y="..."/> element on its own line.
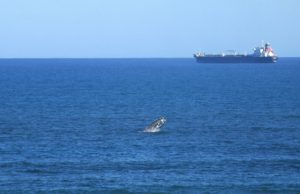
<point x="235" y="59"/>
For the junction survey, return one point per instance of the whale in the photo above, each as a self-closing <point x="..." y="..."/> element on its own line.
<point x="156" y="125"/>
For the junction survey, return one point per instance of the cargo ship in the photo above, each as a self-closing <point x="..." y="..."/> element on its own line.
<point x="262" y="54"/>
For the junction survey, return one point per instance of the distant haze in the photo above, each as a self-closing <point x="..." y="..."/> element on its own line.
<point x="145" y="28"/>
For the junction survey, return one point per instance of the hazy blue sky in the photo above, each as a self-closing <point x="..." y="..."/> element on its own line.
<point x="145" y="28"/>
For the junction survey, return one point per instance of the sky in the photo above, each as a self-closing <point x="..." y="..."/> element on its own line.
<point x="145" y="28"/>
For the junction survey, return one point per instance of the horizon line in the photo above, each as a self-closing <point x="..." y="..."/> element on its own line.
<point x="110" y="57"/>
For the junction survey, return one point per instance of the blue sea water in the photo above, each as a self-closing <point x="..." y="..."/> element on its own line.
<point x="76" y="126"/>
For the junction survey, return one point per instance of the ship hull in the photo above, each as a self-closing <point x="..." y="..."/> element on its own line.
<point x="236" y="59"/>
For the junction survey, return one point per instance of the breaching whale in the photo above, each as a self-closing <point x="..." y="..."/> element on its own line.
<point x="156" y="125"/>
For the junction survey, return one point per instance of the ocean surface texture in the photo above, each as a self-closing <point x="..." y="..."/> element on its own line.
<point x="76" y="125"/>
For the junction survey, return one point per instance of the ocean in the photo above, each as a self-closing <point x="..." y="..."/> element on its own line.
<point x="77" y="126"/>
